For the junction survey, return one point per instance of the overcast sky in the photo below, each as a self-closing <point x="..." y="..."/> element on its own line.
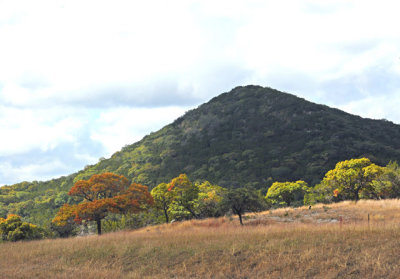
<point x="81" y="79"/>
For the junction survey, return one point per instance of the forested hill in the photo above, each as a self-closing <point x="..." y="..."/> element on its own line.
<point x="250" y="136"/>
<point x="253" y="135"/>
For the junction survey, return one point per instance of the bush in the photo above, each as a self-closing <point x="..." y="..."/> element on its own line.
<point x="13" y="229"/>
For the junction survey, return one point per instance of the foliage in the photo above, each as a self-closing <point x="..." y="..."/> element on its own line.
<point x="241" y="200"/>
<point x="351" y="177"/>
<point x="181" y="199"/>
<point x="320" y="193"/>
<point x="184" y="193"/>
<point x="209" y="201"/>
<point x="285" y="193"/>
<point x="387" y="185"/>
<point x="103" y="194"/>
<point x="14" y="229"/>
<point x="163" y="199"/>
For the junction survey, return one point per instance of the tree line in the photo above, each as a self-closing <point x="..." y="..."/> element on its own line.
<point x="109" y="200"/>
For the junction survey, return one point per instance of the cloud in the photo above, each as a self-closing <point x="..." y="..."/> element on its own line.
<point x="26" y="129"/>
<point x="121" y="126"/>
<point x="80" y="79"/>
<point x="41" y="164"/>
<point x="53" y="142"/>
<point x="376" y="107"/>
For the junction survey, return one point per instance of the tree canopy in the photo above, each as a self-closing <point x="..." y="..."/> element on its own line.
<point x="163" y="199"/>
<point x="349" y="178"/>
<point x="103" y="194"/>
<point x="241" y="200"/>
<point x="184" y="193"/>
<point x="285" y="193"/>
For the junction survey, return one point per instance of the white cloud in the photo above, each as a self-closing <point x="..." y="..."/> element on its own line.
<point x="44" y="171"/>
<point x="120" y="126"/>
<point x="80" y="79"/>
<point x="26" y="129"/>
<point x="376" y="107"/>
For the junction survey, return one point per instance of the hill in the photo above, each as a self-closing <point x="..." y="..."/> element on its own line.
<point x="324" y="242"/>
<point x="253" y="135"/>
<point x="250" y="136"/>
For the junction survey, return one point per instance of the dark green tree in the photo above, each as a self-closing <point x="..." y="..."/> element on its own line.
<point x="242" y="200"/>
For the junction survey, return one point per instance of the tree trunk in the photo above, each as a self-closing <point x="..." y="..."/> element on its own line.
<point x="240" y="219"/>
<point x="356" y="197"/>
<point x="192" y="212"/>
<point x="98" y="221"/>
<point x="166" y="215"/>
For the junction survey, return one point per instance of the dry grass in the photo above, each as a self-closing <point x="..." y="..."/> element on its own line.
<point x="284" y="243"/>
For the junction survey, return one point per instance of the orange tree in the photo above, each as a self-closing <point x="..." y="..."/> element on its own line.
<point x="102" y="194"/>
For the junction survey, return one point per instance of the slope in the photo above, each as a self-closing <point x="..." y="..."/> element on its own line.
<point x="283" y="243"/>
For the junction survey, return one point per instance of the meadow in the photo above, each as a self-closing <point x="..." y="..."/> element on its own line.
<point x="343" y="240"/>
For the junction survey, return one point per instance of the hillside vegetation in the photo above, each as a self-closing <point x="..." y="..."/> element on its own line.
<point x="249" y="137"/>
<point x="335" y="241"/>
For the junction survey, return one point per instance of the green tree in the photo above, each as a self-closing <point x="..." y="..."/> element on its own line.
<point x="241" y="200"/>
<point x="285" y="193"/>
<point x="387" y="185"/>
<point x="163" y="198"/>
<point x="349" y="178"/>
<point x="320" y="193"/>
<point x="185" y="193"/>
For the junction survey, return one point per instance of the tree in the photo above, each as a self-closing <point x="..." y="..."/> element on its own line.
<point x="103" y="194"/>
<point x="387" y="185"/>
<point x="184" y="192"/>
<point x="14" y="229"/>
<point x="208" y="203"/>
<point x="285" y="193"/>
<point x="162" y="199"/>
<point x="349" y="178"/>
<point x="241" y="200"/>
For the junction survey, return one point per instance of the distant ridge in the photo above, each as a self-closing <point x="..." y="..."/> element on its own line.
<point x="250" y="136"/>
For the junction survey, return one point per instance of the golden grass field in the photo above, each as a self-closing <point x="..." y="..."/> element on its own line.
<point x="333" y="241"/>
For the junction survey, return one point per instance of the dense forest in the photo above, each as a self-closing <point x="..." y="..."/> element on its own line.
<point x="249" y="137"/>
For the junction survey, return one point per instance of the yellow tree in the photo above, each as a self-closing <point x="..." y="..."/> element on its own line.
<point x="14" y="229"/>
<point x="349" y="178"/>
<point x="208" y="203"/>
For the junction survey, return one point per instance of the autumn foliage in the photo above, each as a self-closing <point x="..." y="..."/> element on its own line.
<point x="103" y="194"/>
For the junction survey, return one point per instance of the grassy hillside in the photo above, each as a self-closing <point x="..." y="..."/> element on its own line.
<point x="251" y="136"/>
<point x="324" y="242"/>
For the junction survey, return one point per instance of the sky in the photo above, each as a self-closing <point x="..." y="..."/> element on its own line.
<point x="81" y="79"/>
